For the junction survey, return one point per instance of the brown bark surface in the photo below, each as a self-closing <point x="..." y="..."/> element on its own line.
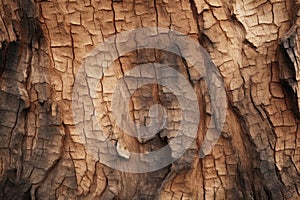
<point x="255" y="46"/>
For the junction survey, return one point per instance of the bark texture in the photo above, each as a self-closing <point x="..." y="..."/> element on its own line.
<point x="254" y="44"/>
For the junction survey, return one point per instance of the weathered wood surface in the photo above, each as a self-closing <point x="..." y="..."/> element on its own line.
<point x="255" y="46"/>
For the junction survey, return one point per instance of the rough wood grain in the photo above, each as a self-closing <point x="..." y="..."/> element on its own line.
<point x="255" y="46"/>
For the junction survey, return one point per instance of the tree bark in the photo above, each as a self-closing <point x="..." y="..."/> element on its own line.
<point x="254" y="45"/>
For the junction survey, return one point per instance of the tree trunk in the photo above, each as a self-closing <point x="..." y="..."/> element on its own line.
<point x="254" y="46"/>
